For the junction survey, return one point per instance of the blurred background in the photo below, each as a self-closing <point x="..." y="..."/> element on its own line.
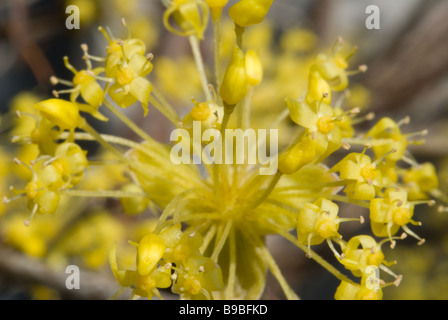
<point x="407" y="75"/>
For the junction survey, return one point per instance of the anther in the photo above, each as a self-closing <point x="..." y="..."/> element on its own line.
<point x="201" y="269"/>
<point x="346" y="146"/>
<point x="370" y="116"/>
<point x="55" y="93"/>
<point x="363" y="68"/>
<point x="393" y="243"/>
<point x="84" y="47"/>
<point x="149" y="56"/>
<point x="54" y="80"/>
<point x="405" y="121"/>
<point x="361" y="219"/>
<point x="421" y="242"/>
<point x="398" y="280"/>
<point x="123" y="22"/>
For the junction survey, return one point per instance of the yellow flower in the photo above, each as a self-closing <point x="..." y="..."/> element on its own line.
<point x="420" y="180"/>
<point x="130" y="85"/>
<point x="319" y="119"/>
<point x="191" y="17"/>
<point x="249" y="12"/>
<point x="363" y="179"/>
<point x="61" y="113"/>
<point x="388" y="130"/>
<point x="391" y="212"/>
<point x="317" y="222"/>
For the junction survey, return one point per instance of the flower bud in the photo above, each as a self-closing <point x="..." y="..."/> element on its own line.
<point x="318" y="89"/>
<point x="234" y="84"/>
<point x="249" y="12"/>
<point x="216" y="7"/>
<point x="62" y="113"/>
<point x="254" y="68"/>
<point x="150" y="250"/>
<point x="187" y="15"/>
<point x="294" y="158"/>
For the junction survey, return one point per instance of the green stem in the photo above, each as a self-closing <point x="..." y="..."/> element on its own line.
<point x="194" y="43"/>
<point x="168" y="107"/>
<point x="217" y="43"/>
<point x="229" y="294"/>
<point x="317" y="258"/>
<point x="267" y="192"/>
<point x="174" y="119"/>
<point x="222" y="240"/>
<point x="264" y="253"/>
<point x="127" y="121"/>
<point x="101" y="194"/>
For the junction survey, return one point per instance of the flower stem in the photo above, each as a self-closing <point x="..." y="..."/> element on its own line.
<point x="316" y="258"/>
<point x="194" y="43"/>
<point x="229" y="294"/>
<point x="127" y="121"/>
<point x="217" y="46"/>
<point x="267" y="192"/>
<point x="173" y="118"/>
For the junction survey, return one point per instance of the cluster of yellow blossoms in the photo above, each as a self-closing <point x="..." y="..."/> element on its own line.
<point x="209" y="240"/>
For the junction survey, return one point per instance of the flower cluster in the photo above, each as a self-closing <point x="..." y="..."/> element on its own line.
<point x="212" y="220"/>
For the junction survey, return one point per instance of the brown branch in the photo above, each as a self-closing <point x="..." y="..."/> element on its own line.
<point x="19" y="35"/>
<point x="93" y="285"/>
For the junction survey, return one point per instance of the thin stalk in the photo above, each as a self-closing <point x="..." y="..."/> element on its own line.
<point x="267" y="192"/>
<point x="173" y="118"/>
<point x="102" y="194"/>
<point x="317" y="258"/>
<point x="127" y="121"/>
<point x="194" y="43"/>
<point x="222" y="240"/>
<point x="229" y="293"/>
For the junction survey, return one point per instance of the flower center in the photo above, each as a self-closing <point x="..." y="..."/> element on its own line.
<point x="124" y="76"/>
<point x="200" y="112"/>
<point x="81" y="77"/>
<point x="401" y="216"/>
<point x="325" y="124"/>
<point x="327" y="228"/>
<point x="368" y="172"/>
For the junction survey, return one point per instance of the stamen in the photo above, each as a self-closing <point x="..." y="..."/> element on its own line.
<point x="383" y="157"/>
<point x="405" y="121"/>
<point x="308" y="254"/>
<point x="27" y="223"/>
<point x="417" y="133"/>
<point x="332" y="248"/>
<point x="106" y="35"/>
<point x="411" y="233"/>
<point x="7" y="200"/>
<point x="69" y="66"/>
